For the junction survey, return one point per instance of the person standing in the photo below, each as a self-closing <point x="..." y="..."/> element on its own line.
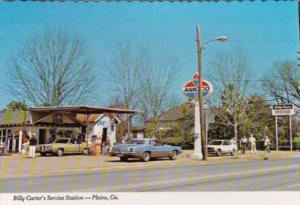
<point x="32" y="145"/>
<point x="267" y="144"/>
<point x="252" y="141"/>
<point x="244" y="142"/>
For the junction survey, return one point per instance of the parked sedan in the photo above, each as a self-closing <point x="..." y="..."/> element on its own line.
<point x="145" y="149"/>
<point x="219" y="147"/>
<point x="62" y="146"/>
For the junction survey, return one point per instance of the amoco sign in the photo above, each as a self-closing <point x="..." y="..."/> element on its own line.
<point x="190" y="88"/>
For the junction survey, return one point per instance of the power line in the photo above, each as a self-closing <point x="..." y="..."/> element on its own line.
<point x="263" y="41"/>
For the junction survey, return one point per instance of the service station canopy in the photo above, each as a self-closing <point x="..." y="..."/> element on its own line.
<point x="80" y="109"/>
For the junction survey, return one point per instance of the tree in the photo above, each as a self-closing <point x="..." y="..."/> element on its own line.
<point x="233" y="109"/>
<point x="232" y="86"/>
<point x="52" y="69"/>
<point x="259" y="120"/>
<point x="282" y="84"/>
<point x="16" y="105"/>
<point x="156" y="79"/>
<point x="123" y="71"/>
<point x="141" y="80"/>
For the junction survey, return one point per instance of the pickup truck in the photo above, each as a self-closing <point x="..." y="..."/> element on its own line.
<point x="62" y="146"/>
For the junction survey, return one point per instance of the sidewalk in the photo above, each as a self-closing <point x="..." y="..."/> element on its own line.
<point x="18" y="165"/>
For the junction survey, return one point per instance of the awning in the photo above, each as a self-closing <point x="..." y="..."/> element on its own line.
<point x="14" y="118"/>
<point x="80" y="109"/>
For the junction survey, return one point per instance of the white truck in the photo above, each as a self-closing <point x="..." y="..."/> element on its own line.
<point x="219" y="147"/>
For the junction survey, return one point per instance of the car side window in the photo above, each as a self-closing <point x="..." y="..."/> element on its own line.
<point x="226" y="143"/>
<point x="73" y="141"/>
<point x="152" y="142"/>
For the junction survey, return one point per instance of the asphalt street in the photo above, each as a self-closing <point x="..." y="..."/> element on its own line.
<point x="259" y="175"/>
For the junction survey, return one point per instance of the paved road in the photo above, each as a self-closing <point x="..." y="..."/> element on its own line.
<point x="260" y="175"/>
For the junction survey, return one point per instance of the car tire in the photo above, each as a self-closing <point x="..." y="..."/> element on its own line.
<point x="123" y="159"/>
<point x="43" y="154"/>
<point x="85" y="152"/>
<point x="146" y="156"/>
<point x="219" y="152"/>
<point x="173" y="155"/>
<point x="59" y="152"/>
<point x="232" y="152"/>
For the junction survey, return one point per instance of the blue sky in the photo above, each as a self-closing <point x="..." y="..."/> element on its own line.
<point x="267" y="32"/>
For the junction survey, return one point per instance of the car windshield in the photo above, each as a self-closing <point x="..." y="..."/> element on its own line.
<point x="61" y="141"/>
<point x="135" y="142"/>
<point x="215" y="142"/>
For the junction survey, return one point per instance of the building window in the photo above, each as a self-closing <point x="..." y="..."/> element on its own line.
<point x="112" y="128"/>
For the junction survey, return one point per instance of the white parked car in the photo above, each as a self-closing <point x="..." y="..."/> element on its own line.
<point x="219" y="147"/>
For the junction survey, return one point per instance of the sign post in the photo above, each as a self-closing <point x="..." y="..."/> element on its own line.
<point x="291" y="133"/>
<point x="190" y="89"/>
<point x="283" y="110"/>
<point x="276" y="132"/>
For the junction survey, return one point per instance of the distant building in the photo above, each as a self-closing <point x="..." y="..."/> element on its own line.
<point x="101" y="125"/>
<point x="170" y="118"/>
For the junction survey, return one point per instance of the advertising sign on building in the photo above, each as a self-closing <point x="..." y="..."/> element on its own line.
<point x="190" y="88"/>
<point x="287" y="109"/>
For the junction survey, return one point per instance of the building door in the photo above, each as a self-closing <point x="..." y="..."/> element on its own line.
<point x="42" y="136"/>
<point x="104" y="135"/>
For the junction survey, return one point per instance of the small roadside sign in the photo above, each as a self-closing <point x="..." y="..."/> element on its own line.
<point x="287" y="109"/>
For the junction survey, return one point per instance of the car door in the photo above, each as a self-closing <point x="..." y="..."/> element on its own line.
<point x="227" y="146"/>
<point x="82" y="145"/>
<point x="158" y="150"/>
<point x="73" y="146"/>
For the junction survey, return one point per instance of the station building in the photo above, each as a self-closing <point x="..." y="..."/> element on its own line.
<point x="65" y="121"/>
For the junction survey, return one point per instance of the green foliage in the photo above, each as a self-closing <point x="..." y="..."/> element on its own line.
<point x="296" y="141"/>
<point x="181" y="132"/>
<point x="17" y="105"/>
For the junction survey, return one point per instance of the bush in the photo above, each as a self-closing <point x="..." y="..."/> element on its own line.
<point x="296" y="143"/>
<point x="185" y="143"/>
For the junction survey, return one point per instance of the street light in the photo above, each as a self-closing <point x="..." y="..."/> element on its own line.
<point x="200" y="98"/>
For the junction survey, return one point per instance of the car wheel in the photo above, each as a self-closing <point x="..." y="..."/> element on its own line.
<point x="146" y="156"/>
<point x="43" y="154"/>
<point x="60" y="152"/>
<point x="174" y="155"/>
<point x="85" y="152"/>
<point x="124" y="159"/>
<point x="219" y="152"/>
<point x="232" y="152"/>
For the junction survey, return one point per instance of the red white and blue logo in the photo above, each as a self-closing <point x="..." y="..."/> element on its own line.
<point x="190" y="88"/>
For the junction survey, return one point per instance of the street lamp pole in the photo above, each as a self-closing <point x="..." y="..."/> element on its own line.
<point x="200" y="97"/>
<point x="202" y="134"/>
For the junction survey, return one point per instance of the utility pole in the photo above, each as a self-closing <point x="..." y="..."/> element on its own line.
<point x="200" y="97"/>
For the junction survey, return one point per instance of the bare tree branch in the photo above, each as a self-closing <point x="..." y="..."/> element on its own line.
<point x="52" y="69"/>
<point x="283" y="83"/>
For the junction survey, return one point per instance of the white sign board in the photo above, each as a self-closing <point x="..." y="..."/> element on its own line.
<point x="283" y="110"/>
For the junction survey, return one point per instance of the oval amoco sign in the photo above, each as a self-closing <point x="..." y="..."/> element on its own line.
<point x="190" y="88"/>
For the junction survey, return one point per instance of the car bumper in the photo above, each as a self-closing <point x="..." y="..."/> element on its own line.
<point x="126" y="154"/>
